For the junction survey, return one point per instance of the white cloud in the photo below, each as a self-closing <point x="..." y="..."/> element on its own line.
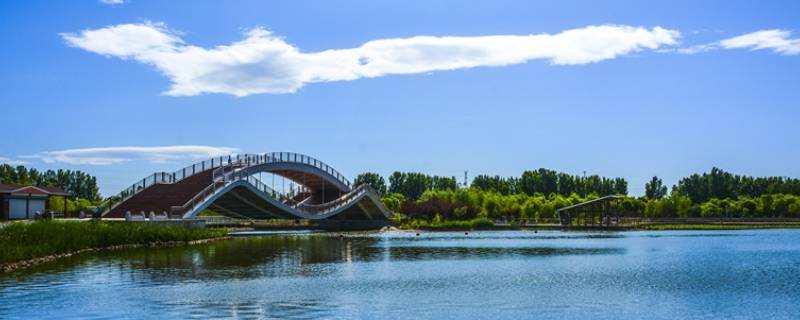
<point x="113" y="2"/>
<point x="115" y="155"/>
<point x="12" y="162"/>
<point x="695" y="49"/>
<point x="265" y="63"/>
<point x="776" y="40"/>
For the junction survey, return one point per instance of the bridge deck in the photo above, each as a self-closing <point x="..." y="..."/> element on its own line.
<point x="231" y="189"/>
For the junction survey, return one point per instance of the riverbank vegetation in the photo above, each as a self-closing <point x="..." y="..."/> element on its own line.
<point x="717" y="226"/>
<point x="438" y="223"/>
<point x="27" y="240"/>
<point x="536" y="195"/>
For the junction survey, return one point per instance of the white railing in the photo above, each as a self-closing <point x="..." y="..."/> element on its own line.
<point x="224" y="165"/>
<point x="291" y="204"/>
<point x="248" y="160"/>
<point x="165" y="178"/>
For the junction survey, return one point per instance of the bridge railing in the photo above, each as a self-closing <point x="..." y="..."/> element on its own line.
<point x="212" y="189"/>
<point x="304" y="159"/>
<point x="248" y="160"/>
<point x="229" y="178"/>
<point x="287" y="200"/>
<point x="223" y="165"/>
<point x="321" y="208"/>
<point x="164" y="178"/>
<point x="197" y="199"/>
<point x="233" y="175"/>
<point x="326" y="207"/>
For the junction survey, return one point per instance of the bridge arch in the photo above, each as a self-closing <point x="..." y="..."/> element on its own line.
<point x="265" y="205"/>
<point x="229" y="186"/>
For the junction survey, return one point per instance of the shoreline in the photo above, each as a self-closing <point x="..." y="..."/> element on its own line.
<point x="24" y="264"/>
<point x="644" y="227"/>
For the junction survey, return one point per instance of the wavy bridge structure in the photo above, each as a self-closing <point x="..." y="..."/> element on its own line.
<point x="230" y="186"/>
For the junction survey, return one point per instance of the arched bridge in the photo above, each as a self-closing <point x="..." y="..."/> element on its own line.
<point x="230" y="186"/>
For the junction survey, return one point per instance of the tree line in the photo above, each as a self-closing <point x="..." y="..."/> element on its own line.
<point x="537" y="194"/>
<point x="465" y="204"/>
<point x="77" y="183"/>
<point x="545" y="181"/>
<point x="718" y="184"/>
<point x="413" y="184"/>
<point x="542" y="181"/>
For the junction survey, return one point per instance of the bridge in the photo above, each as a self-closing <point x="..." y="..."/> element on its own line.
<point x="230" y="186"/>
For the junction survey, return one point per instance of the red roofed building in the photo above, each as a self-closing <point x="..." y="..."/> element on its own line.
<point x="22" y="202"/>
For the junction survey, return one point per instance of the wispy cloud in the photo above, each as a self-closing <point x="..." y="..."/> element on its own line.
<point x="694" y="49"/>
<point x="777" y="40"/>
<point x="12" y="162"/>
<point x="265" y="63"/>
<point x="113" y="2"/>
<point x="115" y="155"/>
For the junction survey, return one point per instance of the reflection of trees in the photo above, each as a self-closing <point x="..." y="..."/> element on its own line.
<point x="235" y="259"/>
<point x="438" y="253"/>
<point x="258" y="309"/>
<point x="294" y="255"/>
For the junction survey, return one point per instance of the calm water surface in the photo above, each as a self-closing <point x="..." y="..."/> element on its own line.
<point x="498" y="275"/>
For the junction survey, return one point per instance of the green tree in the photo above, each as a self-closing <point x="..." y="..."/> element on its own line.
<point x="393" y="201"/>
<point x="655" y="189"/>
<point x="504" y="186"/>
<point x="372" y="179"/>
<point x="410" y="184"/>
<point x="444" y="183"/>
<point x="711" y="208"/>
<point x="620" y="186"/>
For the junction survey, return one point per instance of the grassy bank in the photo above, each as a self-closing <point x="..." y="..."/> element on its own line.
<point x="438" y="224"/>
<point x="23" y="241"/>
<point x="716" y="226"/>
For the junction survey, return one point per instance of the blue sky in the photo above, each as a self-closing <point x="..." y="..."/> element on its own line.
<point x="665" y="88"/>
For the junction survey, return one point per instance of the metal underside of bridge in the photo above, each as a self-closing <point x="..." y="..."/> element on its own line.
<point x="230" y="186"/>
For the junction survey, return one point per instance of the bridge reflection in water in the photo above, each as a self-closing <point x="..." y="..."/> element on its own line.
<point x="231" y="186"/>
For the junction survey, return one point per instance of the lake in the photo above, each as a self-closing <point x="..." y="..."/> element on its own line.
<point x="495" y="274"/>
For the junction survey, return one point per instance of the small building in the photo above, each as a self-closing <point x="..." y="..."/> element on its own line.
<point x="22" y="202"/>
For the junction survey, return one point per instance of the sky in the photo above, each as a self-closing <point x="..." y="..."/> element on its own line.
<point x="122" y="89"/>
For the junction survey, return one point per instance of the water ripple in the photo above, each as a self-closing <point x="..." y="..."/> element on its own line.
<point x="498" y="275"/>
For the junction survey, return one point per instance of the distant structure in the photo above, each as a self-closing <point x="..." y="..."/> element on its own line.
<point x="231" y="186"/>
<point x="598" y="212"/>
<point x="23" y="202"/>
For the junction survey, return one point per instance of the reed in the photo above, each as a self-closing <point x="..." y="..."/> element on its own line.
<point x="22" y="241"/>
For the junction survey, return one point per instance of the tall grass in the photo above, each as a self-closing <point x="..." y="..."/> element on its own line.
<point x="21" y="241"/>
